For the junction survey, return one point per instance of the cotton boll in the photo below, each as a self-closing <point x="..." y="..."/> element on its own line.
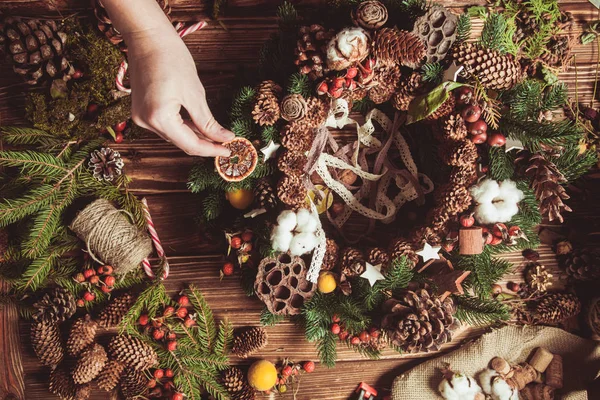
<point x="281" y="239"/>
<point x="510" y="192"/>
<point x="311" y="224"/>
<point x="447" y="391"/>
<point x="303" y="243"/>
<point x="459" y="387"/>
<point x="302" y="218"/>
<point x="287" y="220"/>
<point x="496" y="202"/>
<point x="485" y="191"/>
<point x="501" y="390"/>
<point x="486" y="378"/>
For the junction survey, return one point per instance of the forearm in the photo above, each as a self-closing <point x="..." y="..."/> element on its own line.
<point x="137" y="17"/>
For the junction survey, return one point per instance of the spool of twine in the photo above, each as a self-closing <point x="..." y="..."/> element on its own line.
<point x="110" y="237"/>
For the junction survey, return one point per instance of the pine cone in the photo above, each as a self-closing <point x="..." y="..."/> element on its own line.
<point x="352" y="262"/>
<point x="465" y="175"/>
<point x="264" y="195"/>
<point x="291" y="191"/>
<point x="385" y="82"/>
<point x="332" y="251"/>
<point x="370" y="14"/>
<point x="311" y="49"/>
<point x="444" y="110"/>
<point x="556" y="307"/>
<point x="581" y="264"/>
<point x="409" y="87"/>
<point x="56" y="306"/>
<point x="454" y="199"/>
<point x="246" y="393"/>
<point x="249" y="342"/>
<point x="419" y="322"/>
<point x="90" y="363"/>
<point x="401" y="101"/>
<point x="111" y="375"/>
<point x="133" y="384"/>
<point x="378" y="256"/>
<point x="266" y="106"/>
<point x="297" y="136"/>
<point x="233" y="380"/>
<point x="292" y="163"/>
<point x="391" y="46"/>
<point x="538" y="278"/>
<point x="45" y="339"/>
<point x="293" y="107"/>
<point x="82" y="334"/>
<point x="494" y="70"/>
<point x="455" y="128"/>
<point x="403" y="248"/>
<point x="132" y="352"/>
<point x="36" y="48"/>
<point x="113" y="313"/>
<point x="106" y="27"/>
<point x="459" y="153"/>
<point x="546" y="182"/>
<point x="317" y="112"/>
<point x="61" y="384"/>
<point x="105" y="164"/>
<point x="3" y="244"/>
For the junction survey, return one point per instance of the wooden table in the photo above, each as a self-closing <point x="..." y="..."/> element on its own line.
<point x="161" y="176"/>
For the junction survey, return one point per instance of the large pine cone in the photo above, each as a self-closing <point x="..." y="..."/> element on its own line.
<point x="311" y="49"/>
<point x="403" y="248"/>
<point x="249" y="342"/>
<point x="419" y="322"/>
<point x="233" y="379"/>
<point x="494" y="70"/>
<point x="459" y="153"/>
<point x="385" y="82"/>
<point x="46" y="342"/>
<point x="391" y="46"/>
<point x="36" y="48"/>
<point x="90" y="363"/>
<point x="134" y="384"/>
<point x="246" y="393"/>
<point x="266" y="106"/>
<point x="581" y="264"/>
<point x="297" y="136"/>
<point x="291" y="191"/>
<point x="317" y="112"/>
<point x="114" y="312"/>
<point x="454" y="199"/>
<point x="465" y="175"/>
<point x="81" y="335"/>
<point x="132" y="352"/>
<point x="56" y="306"/>
<point x="61" y="384"/>
<point x="332" y="251"/>
<point x="111" y="375"/>
<point x="292" y="163"/>
<point x="378" y="256"/>
<point x="264" y="195"/>
<point x="556" y="307"/>
<point x="353" y="262"/>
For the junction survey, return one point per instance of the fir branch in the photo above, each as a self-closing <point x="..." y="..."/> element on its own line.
<point x="476" y="311"/>
<point x="206" y="323"/>
<point x="501" y="163"/>
<point x="19" y="135"/>
<point x="150" y="301"/>
<point x="203" y="177"/>
<point x="300" y="84"/>
<point x="269" y="133"/>
<point x="32" y="201"/>
<point x="327" y="349"/>
<point x="224" y="338"/>
<point x="247" y="280"/>
<point x="432" y="72"/>
<point x="494" y="32"/>
<point x="485" y="271"/>
<point x="212" y="205"/>
<point x="267" y="318"/>
<point x="33" y="163"/>
<point x="463" y="28"/>
<point x="398" y="275"/>
<point x="287" y="15"/>
<point x="572" y="164"/>
<point x="241" y="107"/>
<point x="243" y="128"/>
<point x="363" y="106"/>
<point x="534" y="135"/>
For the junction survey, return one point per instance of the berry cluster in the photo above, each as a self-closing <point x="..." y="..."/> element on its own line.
<point x="471" y="112"/>
<point x="241" y="242"/>
<point x="338" y="328"/>
<point x="161" y="385"/>
<point x="336" y="87"/>
<point x="499" y="233"/>
<point x="102" y="277"/>
<point x="116" y="132"/>
<point x="289" y="373"/>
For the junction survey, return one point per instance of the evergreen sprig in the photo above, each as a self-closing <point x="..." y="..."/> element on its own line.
<point x="300" y="84"/>
<point x="463" y="28"/>
<point x="432" y="72"/>
<point x="267" y="318"/>
<point x="485" y="271"/>
<point x="476" y="311"/>
<point x="398" y="275"/>
<point x="573" y="164"/>
<point x="497" y="34"/>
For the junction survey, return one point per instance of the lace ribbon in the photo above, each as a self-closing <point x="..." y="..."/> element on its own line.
<point x="319" y="251"/>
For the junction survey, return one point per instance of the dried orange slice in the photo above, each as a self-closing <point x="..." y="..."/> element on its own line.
<point x="240" y="164"/>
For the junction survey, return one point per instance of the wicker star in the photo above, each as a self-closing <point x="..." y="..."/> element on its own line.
<point x="429" y="252"/>
<point x="270" y="149"/>
<point x="373" y="274"/>
<point x="451" y="74"/>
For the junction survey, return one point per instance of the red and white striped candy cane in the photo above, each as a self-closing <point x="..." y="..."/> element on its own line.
<point x="157" y="245"/>
<point x="182" y="31"/>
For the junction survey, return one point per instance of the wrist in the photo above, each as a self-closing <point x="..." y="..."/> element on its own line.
<point x="135" y="18"/>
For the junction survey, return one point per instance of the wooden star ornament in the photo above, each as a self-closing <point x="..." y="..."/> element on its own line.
<point x="429" y="252"/>
<point x="270" y="149"/>
<point x="373" y="274"/>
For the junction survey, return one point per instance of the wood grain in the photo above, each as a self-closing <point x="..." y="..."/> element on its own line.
<point x="12" y="385"/>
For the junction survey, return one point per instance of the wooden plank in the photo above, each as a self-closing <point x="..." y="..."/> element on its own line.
<point x="12" y="385"/>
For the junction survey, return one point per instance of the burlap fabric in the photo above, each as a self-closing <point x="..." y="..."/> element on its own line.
<point x="581" y="360"/>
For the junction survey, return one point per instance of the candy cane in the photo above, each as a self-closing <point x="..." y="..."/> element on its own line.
<point x="182" y="31"/>
<point x="157" y="245"/>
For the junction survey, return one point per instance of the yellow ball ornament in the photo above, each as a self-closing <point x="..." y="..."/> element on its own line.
<point x="326" y="282"/>
<point x="240" y="199"/>
<point x="262" y="375"/>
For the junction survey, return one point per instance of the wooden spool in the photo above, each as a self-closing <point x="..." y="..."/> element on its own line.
<point x="541" y="359"/>
<point x="470" y="240"/>
<point x="554" y="373"/>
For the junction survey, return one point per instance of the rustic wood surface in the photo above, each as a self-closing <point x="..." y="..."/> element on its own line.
<point x="161" y="176"/>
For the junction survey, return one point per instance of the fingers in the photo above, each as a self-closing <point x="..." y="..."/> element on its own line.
<point x="205" y="122"/>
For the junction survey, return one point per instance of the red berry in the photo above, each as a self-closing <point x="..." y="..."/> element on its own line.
<point x="189" y="322"/>
<point x="151" y="383"/>
<point x="158" y="334"/>
<point x="168" y="311"/>
<point x="246" y="247"/>
<point x="236" y="242"/>
<point x="247" y="236"/>
<point x="370" y="63"/>
<point x="286" y="371"/>
<point x="172" y="345"/>
<point x="157" y="323"/>
<point x="335" y="318"/>
<point x="352" y="72"/>
<point x="322" y="88"/>
<point x="374" y="332"/>
<point x="477" y="127"/>
<point x="92" y="108"/>
<point x="105" y="270"/>
<point x="169" y="373"/>
<point x="499" y="230"/>
<point x="171" y="335"/>
<point x="513" y="286"/>
<point x="168" y="385"/>
<point x="343" y="335"/>
<point x="120" y="127"/>
<point x="336" y="93"/>
<point x="183" y="300"/>
<point x="80" y="303"/>
<point x="514" y="231"/>
<point x="364" y="336"/>
<point x="119" y="138"/>
<point x="338" y="83"/>
<point x="106" y="289"/>
<point x="448" y="246"/>
<point x="467" y="220"/>
<point x="89" y="272"/>
<point x="182" y="312"/>
<point x="479" y="139"/>
<point x="143" y="320"/>
<point x="89" y="296"/>
<point x="78" y="74"/>
<point x="355" y="341"/>
<point x="309" y="366"/>
<point x="496" y="139"/>
<point x="496" y="240"/>
<point x="177" y="396"/>
<point x="336" y="329"/>
<point x="159" y="373"/>
<point x="487" y="238"/>
<point x="464" y="94"/>
<point x="471" y="113"/>
<point x="94" y="279"/>
<point x="109" y="280"/>
<point x="79" y="277"/>
<point x="228" y="269"/>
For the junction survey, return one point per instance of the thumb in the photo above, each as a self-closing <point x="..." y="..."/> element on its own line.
<point x="206" y="123"/>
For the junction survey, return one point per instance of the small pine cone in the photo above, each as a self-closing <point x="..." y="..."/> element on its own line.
<point x="556" y="307"/>
<point x="249" y="342"/>
<point x="114" y="312"/>
<point x="317" y="112"/>
<point x="246" y="393"/>
<point x="465" y="175"/>
<point x="439" y="218"/>
<point x="90" y="363"/>
<point x="311" y="49"/>
<point x="332" y="251"/>
<point x="401" y="101"/>
<point x="378" y="256"/>
<point x="454" y="199"/>
<point x="46" y="342"/>
<point x="391" y="46"/>
<point x="444" y="110"/>
<point x="111" y="375"/>
<point x="292" y="163"/>
<point x="61" y="384"/>
<point x="132" y="352"/>
<point x="266" y="107"/>
<point x="264" y="195"/>
<point x="427" y="234"/>
<point x="233" y="379"/>
<point x="352" y="262"/>
<point x="291" y="191"/>
<point x="297" y="136"/>
<point x="403" y="248"/>
<point x="81" y="335"/>
<point x="459" y="153"/>
<point x="56" y="306"/>
<point x="385" y="82"/>
<point x="581" y="264"/>
<point x="133" y="384"/>
<point x="455" y="128"/>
